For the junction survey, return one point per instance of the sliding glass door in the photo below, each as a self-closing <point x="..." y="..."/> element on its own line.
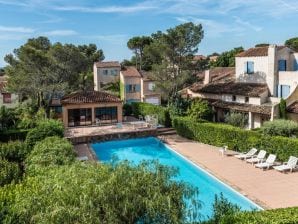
<point x="79" y="117"/>
<point x="106" y="115"/>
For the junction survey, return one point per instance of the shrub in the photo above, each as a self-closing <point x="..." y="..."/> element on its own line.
<point x="283" y="109"/>
<point x="44" y="129"/>
<point x="14" y="151"/>
<point x="9" y="172"/>
<point x="99" y="193"/>
<point x="285" y="128"/>
<point x="200" y="109"/>
<point x="13" y="134"/>
<point x="50" y="152"/>
<point x="8" y="118"/>
<point x="179" y="106"/>
<point x="127" y="109"/>
<point x="150" y="109"/>
<point x="235" y="138"/>
<point x="237" y="119"/>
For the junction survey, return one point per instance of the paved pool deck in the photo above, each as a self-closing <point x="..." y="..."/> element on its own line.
<point x="269" y="188"/>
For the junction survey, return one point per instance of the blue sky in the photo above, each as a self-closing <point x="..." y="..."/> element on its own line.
<point x="110" y="23"/>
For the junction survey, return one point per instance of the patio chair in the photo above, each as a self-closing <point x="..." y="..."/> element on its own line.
<point x="223" y="150"/>
<point x="247" y="155"/>
<point x="268" y="163"/>
<point x="82" y="158"/>
<point x="290" y="165"/>
<point x="258" y="158"/>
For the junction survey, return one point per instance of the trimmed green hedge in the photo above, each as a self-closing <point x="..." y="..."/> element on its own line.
<point x="12" y="135"/>
<point x="150" y="109"/>
<point x="235" y="138"/>
<point x="276" y="216"/>
<point x="14" y="151"/>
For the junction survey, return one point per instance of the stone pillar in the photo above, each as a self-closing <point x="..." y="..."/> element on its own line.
<point x="93" y="115"/>
<point x="250" y="120"/>
<point x="65" y="116"/>
<point x="119" y="113"/>
<point x="207" y="77"/>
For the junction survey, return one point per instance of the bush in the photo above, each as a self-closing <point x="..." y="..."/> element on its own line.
<point x="237" y="119"/>
<point x="13" y="134"/>
<point x="9" y="172"/>
<point x="44" y="129"/>
<point x="99" y="193"/>
<point x="50" y="152"/>
<point x="127" y="109"/>
<point x="235" y="138"/>
<point x="283" y="109"/>
<point x="200" y="109"/>
<point x="150" y="109"/>
<point x="14" y="151"/>
<point x="284" y="128"/>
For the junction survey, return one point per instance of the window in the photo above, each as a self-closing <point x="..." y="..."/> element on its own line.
<point x="233" y="98"/>
<point x="284" y="91"/>
<point x="246" y="99"/>
<point x="6" y="97"/>
<point x="282" y="65"/>
<point x="131" y="88"/>
<point x="105" y="72"/>
<point x="114" y="72"/>
<point x="249" y="67"/>
<point x="106" y="115"/>
<point x="151" y="86"/>
<point x="79" y="117"/>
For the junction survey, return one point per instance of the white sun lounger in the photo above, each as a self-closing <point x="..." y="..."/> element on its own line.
<point x="290" y="165"/>
<point x="247" y="155"/>
<point x="258" y="158"/>
<point x="268" y="163"/>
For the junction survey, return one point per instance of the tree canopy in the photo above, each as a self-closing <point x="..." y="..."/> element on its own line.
<point x="39" y="69"/>
<point x="227" y="58"/>
<point x="292" y="43"/>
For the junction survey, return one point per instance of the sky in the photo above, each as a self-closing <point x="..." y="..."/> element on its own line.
<point x="111" y="23"/>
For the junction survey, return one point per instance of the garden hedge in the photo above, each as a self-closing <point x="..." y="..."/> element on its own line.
<point x="14" y="151"/>
<point x="13" y="134"/>
<point x="276" y="216"/>
<point x="235" y="138"/>
<point x="150" y="109"/>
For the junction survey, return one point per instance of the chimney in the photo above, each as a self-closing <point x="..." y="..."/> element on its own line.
<point x="207" y="78"/>
<point x="272" y="69"/>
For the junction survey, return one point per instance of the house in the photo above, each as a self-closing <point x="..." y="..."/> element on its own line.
<point x="262" y="76"/>
<point x="137" y="87"/>
<point x="105" y="72"/>
<point x="7" y="99"/>
<point x="85" y="108"/>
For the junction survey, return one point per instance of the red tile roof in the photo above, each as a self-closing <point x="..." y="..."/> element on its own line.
<point x="233" y="88"/>
<point x="107" y="64"/>
<point x="257" y="51"/>
<point x="130" y="71"/>
<point x="82" y="97"/>
<point x="293" y="108"/>
<point x="199" y="57"/>
<point x="243" y="107"/>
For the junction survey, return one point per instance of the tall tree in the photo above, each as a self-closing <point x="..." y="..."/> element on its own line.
<point x="292" y="43"/>
<point x="177" y="48"/>
<point x="137" y="45"/>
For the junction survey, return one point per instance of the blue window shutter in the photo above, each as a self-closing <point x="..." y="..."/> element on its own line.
<point x="282" y="65"/>
<point x="245" y="67"/>
<point x="127" y="88"/>
<point x="138" y="88"/>
<point x="295" y="64"/>
<point x="250" y="67"/>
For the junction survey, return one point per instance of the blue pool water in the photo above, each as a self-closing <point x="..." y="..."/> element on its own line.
<point x="137" y="150"/>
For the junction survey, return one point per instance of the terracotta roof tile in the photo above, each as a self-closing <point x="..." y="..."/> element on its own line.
<point x="107" y="64"/>
<point x="218" y="73"/>
<point x="257" y="51"/>
<point x="130" y="71"/>
<point x="89" y="97"/>
<point x="243" y="107"/>
<point x="199" y="57"/>
<point x="293" y="108"/>
<point x="234" y="88"/>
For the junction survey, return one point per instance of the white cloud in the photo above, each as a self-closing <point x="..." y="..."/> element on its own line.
<point x="119" y="39"/>
<point x="61" y="33"/>
<point x="247" y="24"/>
<point x="16" y="29"/>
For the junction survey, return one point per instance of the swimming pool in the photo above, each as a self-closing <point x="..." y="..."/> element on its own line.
<point x="137" y="150"/>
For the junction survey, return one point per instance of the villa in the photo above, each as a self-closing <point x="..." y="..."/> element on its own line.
<point x="262" y="76"/>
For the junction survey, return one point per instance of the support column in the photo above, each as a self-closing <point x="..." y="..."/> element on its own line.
<point x="93" y="115"/>
<point x="250" y="120"/>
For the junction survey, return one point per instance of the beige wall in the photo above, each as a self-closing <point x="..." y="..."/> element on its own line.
<point x="131" y="81"/>
<point x="92" y="106"/>
<point x="100" y="77"/>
